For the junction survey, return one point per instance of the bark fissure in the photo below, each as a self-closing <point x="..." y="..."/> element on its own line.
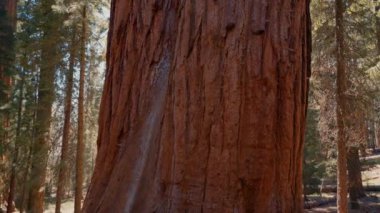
<point x="229" y="115"/>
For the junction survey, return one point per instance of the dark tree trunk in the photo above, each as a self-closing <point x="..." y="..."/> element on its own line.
<point x="355" y="185"/>
<point x="7" y="29"/>
<point x="24" y="193"/>
<point x="377" y="134"/>
<point x="203" y="107"/>
<point x="377" y="26"/>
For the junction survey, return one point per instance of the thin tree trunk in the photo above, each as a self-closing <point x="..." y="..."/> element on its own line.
<point x="342" y="202"/>
<point x="63" y="168"/>
<point x="377" y="8"/>
<point x="80" y="142"/>
<point x="41" y="145"/>
<point x="24" y="194"/>
<point x="371" y="135"/>
<point x="377" y="128"/>
<point x="44" y="110"/>
<point x="12" y="184"/>
<point x="203" y="108"/>
<point x="8" y="12"/>
<point x="355" y="186"/>
<point x="377" y="134"/>
<point x="26" y="182"/>
<point x="7" y="31"/>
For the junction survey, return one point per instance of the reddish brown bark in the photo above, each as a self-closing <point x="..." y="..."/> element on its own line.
<point x="9" y="7"/>
<point x="63" y="169"/>
<point x="7" y="31"/>
<point x="80" y="143"/>
<point x="341" y="109"/>
<point x="203" y="107"/>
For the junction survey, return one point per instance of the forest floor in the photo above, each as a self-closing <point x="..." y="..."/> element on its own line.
<point x="66" y="207"/>
<point x="370" y="203"/>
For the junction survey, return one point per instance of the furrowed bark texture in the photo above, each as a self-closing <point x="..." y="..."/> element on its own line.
<point x="203" y="107"/>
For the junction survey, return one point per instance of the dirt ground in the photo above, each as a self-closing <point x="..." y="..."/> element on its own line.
<point x="370" y="203"/>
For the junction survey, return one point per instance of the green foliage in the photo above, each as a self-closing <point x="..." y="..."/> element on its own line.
<point x="314" y="167"/>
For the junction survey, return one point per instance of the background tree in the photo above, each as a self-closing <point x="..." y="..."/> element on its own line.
<point x="80" y="143"/>
<point x="359" y="95"/>
<point x="48" y="63"/>
<point x="7" y="29"/>
<point x="64" y="167"/>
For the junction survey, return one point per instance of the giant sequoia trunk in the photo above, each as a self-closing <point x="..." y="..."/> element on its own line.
<point x="203" y="107"/>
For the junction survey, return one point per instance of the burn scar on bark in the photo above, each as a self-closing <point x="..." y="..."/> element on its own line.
<point x="160" y="69"/>
<point x="258" y="17"/>
<point x="230" y="16"/>
<point x="157" y="5"/>
<point x="150" y="128"/>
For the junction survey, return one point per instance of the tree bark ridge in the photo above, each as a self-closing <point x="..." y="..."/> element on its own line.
<point x="202" y="110"/>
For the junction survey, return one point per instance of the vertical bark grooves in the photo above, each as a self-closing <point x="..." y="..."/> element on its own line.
<point x="63" y="168"/>
<point x="341" y="108"/>
<point x="80" y="142"/>
<point x="203" y="110"/>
